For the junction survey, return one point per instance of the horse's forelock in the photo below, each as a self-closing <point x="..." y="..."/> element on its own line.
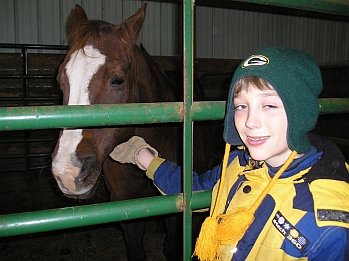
<point x="90" y="29"/>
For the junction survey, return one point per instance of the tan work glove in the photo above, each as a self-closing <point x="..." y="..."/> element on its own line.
<point x="127" y="152"/>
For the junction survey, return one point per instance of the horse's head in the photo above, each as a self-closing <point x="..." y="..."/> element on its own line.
<point x="96" y="70"/>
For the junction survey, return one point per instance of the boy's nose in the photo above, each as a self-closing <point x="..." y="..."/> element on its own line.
<point x="253" y="120"/>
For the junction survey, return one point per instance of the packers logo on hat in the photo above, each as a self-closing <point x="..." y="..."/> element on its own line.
<point x="255" y="60"/>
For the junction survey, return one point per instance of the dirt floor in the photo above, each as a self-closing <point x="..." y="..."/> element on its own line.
<point x="102" y="242"/>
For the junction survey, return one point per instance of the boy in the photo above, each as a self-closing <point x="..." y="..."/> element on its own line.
<point x="283" y="195"/>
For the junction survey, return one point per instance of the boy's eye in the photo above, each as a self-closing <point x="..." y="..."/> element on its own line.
<point x="240" y="107"/>
<point x="269" y="106"/>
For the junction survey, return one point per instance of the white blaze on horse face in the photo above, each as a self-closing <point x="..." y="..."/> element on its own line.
<point x="83" y="64"/>
<point x="80" y="70"/>
<point x="65" y="164"/>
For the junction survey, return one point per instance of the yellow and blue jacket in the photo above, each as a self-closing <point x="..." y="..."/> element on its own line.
<point x="305" y="215"/>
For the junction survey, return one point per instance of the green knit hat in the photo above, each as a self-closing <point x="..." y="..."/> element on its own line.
<point x="296" y="77"/>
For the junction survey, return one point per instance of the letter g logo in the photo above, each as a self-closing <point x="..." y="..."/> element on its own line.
<point x="255" y="60"/>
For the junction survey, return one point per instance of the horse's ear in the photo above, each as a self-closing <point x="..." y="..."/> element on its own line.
<point x="133" y="25"/>
<point x="77" y="18"/>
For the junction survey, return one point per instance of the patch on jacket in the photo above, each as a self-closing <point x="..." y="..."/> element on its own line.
<point x="333" y="215"/>
<point x="296" y="238"/>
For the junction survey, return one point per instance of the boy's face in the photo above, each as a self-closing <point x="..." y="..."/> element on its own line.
<point x="261" y="122"/>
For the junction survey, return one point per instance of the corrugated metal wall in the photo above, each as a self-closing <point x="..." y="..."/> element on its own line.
<point x="220" y="33"/>
<point x="226" y="33"/>
<point x="45" y="22"/>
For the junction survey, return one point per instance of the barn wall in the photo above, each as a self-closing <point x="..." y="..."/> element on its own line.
<point x="235" y="34"/>
<point x="46" y="22"/>
<point x="220" y="33"/>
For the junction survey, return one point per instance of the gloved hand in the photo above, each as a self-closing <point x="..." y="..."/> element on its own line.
<point x="127" y="152"/>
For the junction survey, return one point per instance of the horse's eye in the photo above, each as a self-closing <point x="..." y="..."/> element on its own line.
<point x="117" y="81"/>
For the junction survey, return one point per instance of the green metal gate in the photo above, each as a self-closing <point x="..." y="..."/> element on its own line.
<point x="43" y="117"/>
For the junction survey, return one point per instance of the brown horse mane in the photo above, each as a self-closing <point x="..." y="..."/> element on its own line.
<point x="151" y="62"/>
<point x="161" y="78"/>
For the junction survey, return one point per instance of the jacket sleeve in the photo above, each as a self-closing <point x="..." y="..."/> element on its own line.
<point x="167" y="177"/>
<point x="334" y="246"/>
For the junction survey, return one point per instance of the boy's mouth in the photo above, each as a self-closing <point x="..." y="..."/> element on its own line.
<point x="257" y="140"/>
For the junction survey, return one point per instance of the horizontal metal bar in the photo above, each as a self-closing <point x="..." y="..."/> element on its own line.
<point x="16" y="169"/>
<point x="14" y="156"/>
<point x="336" y="7"/>
<point x="33" y="46"/>
<point x="27" y="76"/>
<point x="43" y="99"/>
<point x="21" y="140"/>
<point x="46" y="117"/>
<point x="334" y="105"/>
<point x="323" y="6"/>
<point x="55" y="219"/>
<point x="83" y="116"/>
<point x="213" y="110"/>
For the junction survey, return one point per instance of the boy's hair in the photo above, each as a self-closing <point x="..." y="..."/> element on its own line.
<point x="295" y="76"/>
<point x="247" y="82"/>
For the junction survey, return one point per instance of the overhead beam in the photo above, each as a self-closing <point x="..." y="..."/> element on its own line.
<point x="327" y="9"/>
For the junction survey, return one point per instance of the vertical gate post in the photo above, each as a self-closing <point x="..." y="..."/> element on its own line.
<point x="188" y="46"/>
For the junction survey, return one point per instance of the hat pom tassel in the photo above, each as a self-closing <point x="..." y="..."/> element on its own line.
<point x="228" y="230"/>
<point x="207" y="247"/>
<point x="232" y="227"/>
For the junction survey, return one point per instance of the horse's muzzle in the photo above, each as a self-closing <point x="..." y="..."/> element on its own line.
<point x="83" y="193"/>
<point x="84" y="184"/>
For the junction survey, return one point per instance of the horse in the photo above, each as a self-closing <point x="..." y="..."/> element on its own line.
<point x="105" y="65"/>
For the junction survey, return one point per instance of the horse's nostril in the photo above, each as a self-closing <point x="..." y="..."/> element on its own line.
<point x="87" y="165"/>
<point x="60" y="183"/>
